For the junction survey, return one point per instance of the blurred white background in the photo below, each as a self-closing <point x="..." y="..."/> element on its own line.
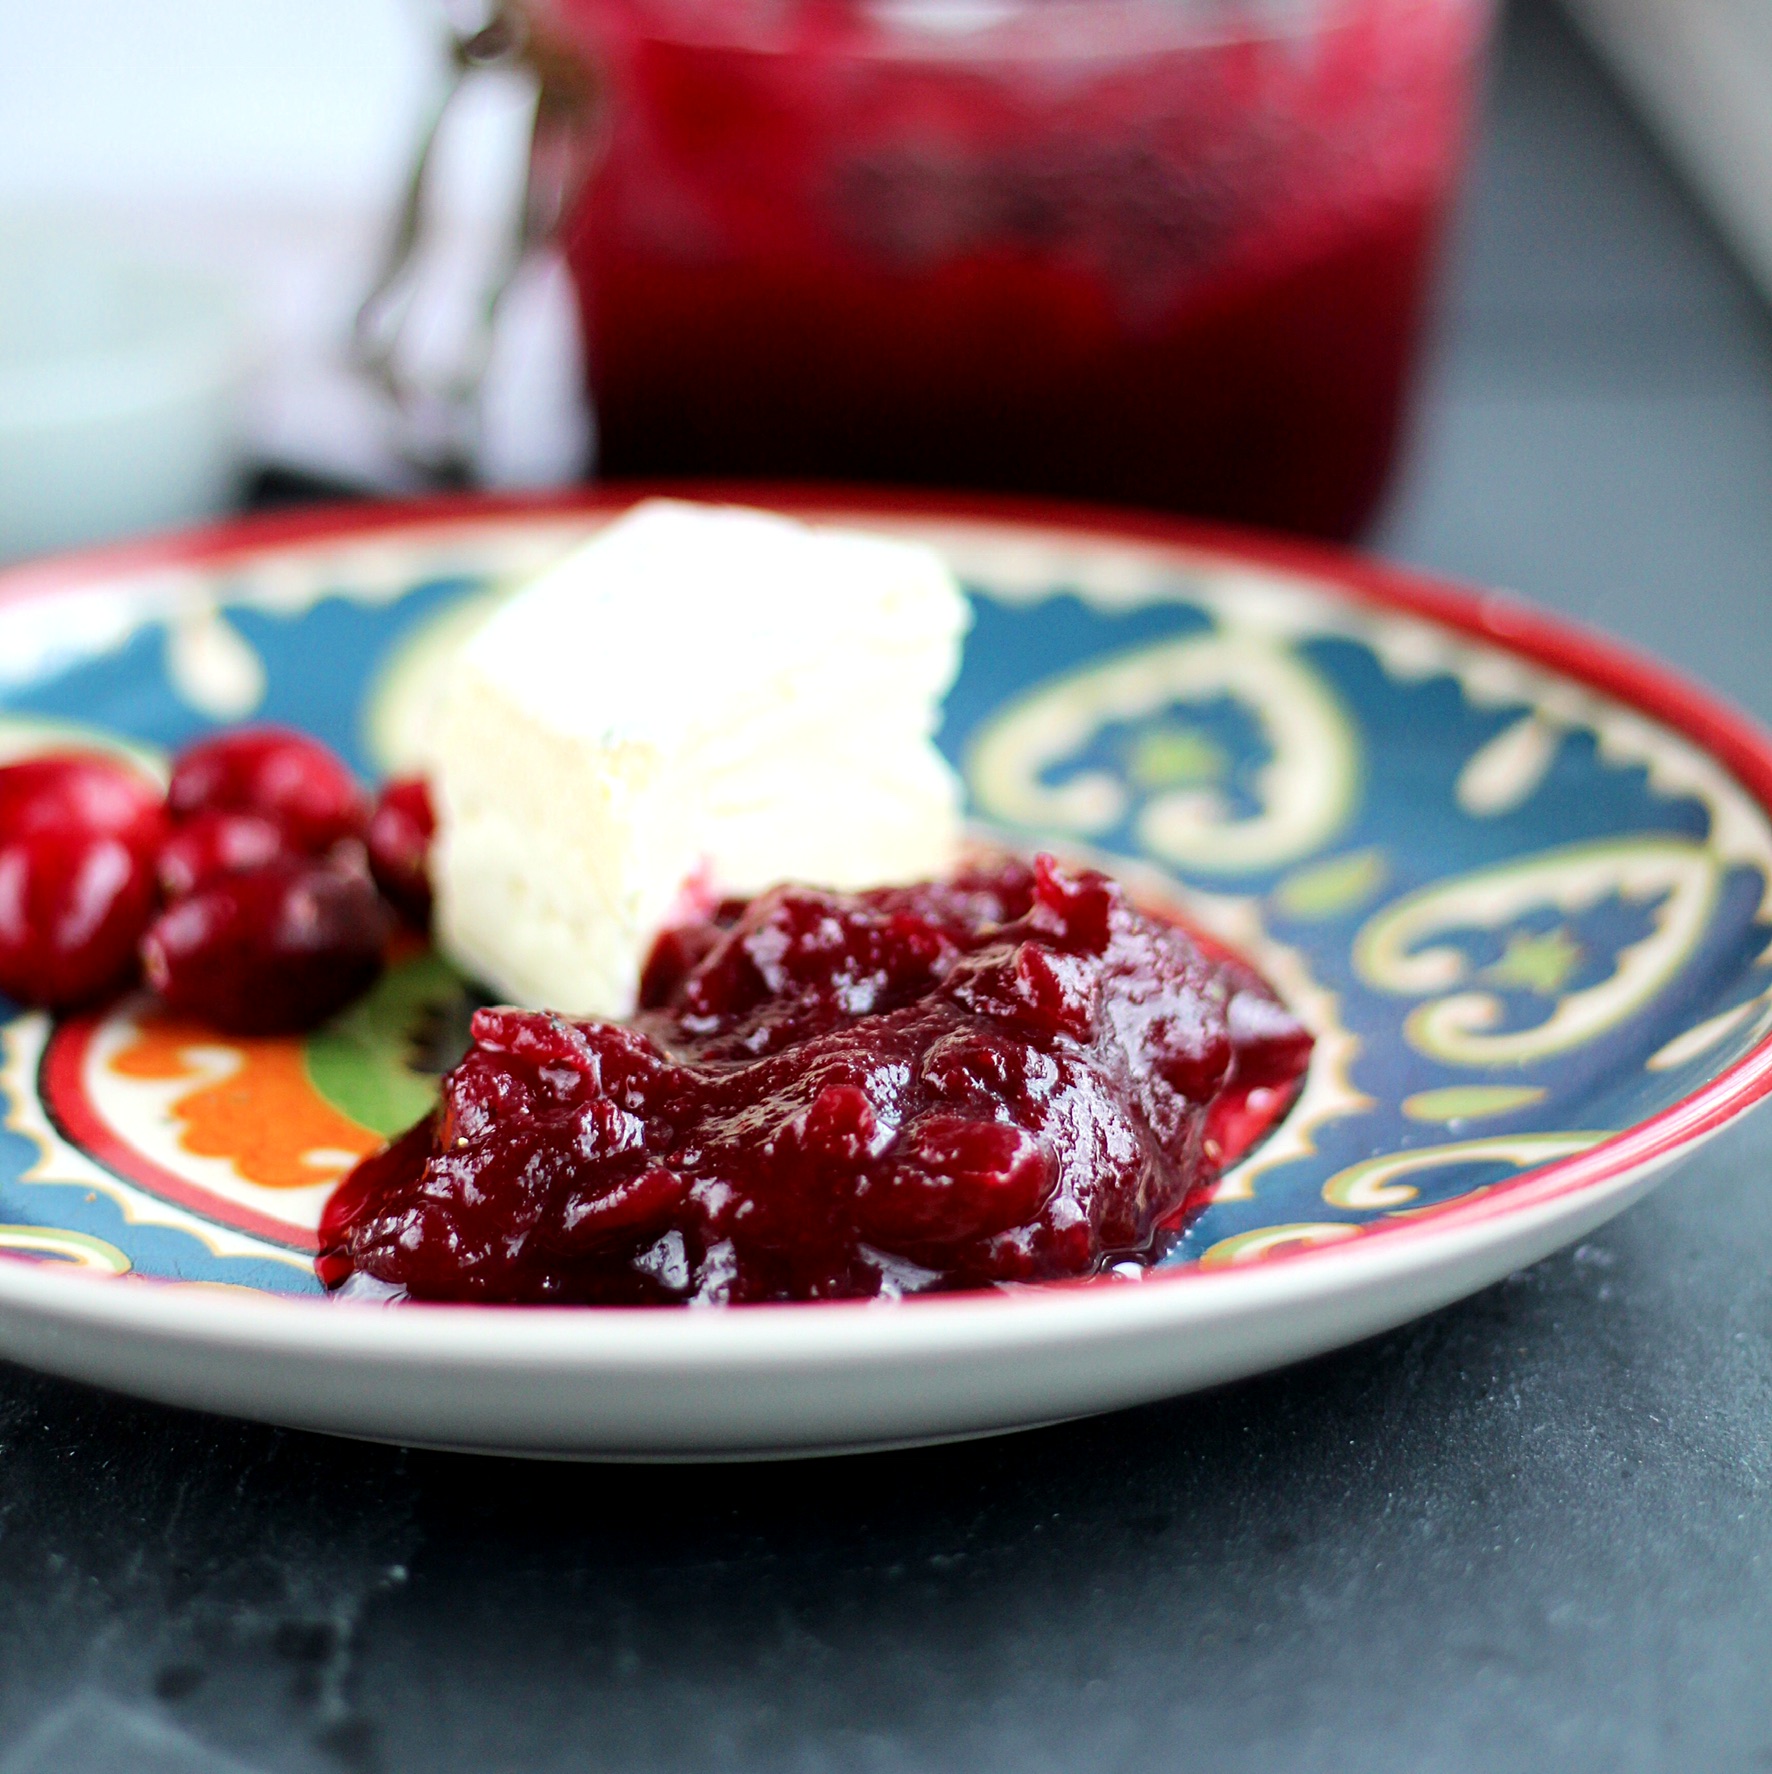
<point x="297" y="103"/>
<point x="265" y="143"/>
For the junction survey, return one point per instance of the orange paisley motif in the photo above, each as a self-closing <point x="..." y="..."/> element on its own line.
<point x="264" y="1117"/>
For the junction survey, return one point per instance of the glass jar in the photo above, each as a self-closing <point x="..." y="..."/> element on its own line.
<point x="1163" y="252"/>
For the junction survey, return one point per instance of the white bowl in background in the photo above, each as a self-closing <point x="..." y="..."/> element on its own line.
<point x="120" y="390"/>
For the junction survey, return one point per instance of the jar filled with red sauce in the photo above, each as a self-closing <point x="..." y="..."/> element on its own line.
<point x="1166" y="252"/>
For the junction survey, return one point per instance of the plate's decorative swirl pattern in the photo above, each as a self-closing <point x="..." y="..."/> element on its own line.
<point x="1539" y="914"/>
<point x="1520" y="915"/>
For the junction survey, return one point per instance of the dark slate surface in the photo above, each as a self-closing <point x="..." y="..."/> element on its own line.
<point x="1533" y="1531"/>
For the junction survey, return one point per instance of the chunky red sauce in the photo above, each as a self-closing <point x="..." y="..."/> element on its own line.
<point x="1165" y="254"/>
<point x="1015" y="1075"/>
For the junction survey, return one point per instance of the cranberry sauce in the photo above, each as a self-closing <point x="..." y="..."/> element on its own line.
<point x="1172" y="254"/>
<point x="1008" y="1076"/>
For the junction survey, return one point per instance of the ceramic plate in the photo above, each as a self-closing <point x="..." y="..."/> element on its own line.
<point x="1515" y="880"/>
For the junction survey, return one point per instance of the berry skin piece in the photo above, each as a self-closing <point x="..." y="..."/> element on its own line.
<point x="78" y="837"/>
<point x="273" y="950"/>
<point x="400" y="833"/>
<point x="277" y="773"/>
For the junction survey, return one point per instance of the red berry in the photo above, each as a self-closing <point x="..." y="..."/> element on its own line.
<point x="77" y="839"/>
<point x="274" y="950"/>
<point x="217" y="843"/>
<point x="400" y="833"/>
<point x="80" y="791"/>
<point x="72" y="908"/>
<point x="283" y="775"/>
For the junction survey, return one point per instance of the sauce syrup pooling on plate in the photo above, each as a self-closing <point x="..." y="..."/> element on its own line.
<point x="1014" y="1075"/>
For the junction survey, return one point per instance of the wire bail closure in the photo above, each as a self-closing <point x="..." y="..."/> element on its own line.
<point x="436" y="410"/>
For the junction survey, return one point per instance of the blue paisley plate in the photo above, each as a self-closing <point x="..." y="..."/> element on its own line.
<point x="1517" y="882"/>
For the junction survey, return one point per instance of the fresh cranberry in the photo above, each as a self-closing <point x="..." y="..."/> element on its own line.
<point x="216" y="843"/>
<point x="72" y="908"/>
<point x="282" y="775"/>
<point x="78" y="834"/>
<point x="272" y="950"/>
<point x="77" y="791"/>
<point x="1012" y="1076"/>
<point x="400" y="833"/>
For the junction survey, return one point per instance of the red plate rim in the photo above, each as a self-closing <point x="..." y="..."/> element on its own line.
<point x="1726" y="733"/>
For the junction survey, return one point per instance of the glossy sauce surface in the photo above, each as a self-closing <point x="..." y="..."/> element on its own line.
<point x="1012" y="1076"/>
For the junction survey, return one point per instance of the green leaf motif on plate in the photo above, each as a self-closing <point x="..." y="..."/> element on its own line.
<point x="379" y="1062"/>
<point x="1471" y="1102"/>
<point x="1324" y="890"/>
